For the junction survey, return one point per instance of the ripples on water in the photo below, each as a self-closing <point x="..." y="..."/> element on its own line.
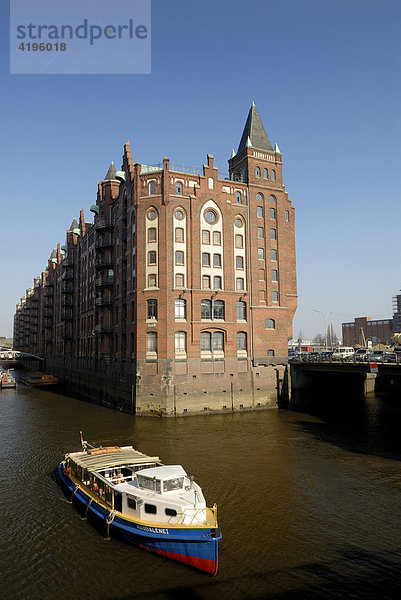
<point x="309" y="505"/>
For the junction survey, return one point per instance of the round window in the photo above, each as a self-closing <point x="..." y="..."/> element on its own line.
<point x="210" y="216"/>
<point x="179" y="214"/>
<point x="238" y="222"/>
<point x="152" y="214"/>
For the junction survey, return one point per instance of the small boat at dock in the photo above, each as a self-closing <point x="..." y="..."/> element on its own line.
<point x="140" y="500"/>
<point x="7" y="380"/>
<point x="39" y="379"/>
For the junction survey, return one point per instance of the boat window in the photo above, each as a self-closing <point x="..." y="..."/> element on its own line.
<point x="149" y="484"/>
<point x="151" y="509"/>
<point x="131" y="502"/>
<point x="173" y="484"/>
<point x="170" y="512"/>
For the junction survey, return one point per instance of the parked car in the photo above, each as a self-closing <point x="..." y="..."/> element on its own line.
<point x="376" y="356"/>
<point x="361" y="354"/>
<point x="343" y="352"/>
<point x="390" y="357"/>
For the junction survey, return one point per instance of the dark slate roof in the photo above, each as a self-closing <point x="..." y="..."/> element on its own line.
<point x="111" y="173"/>
<point x="255" y="131"/>
<point x="74" y="225"/>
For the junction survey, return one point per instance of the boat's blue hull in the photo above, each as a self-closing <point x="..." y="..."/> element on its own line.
<point x="197" y="547"/>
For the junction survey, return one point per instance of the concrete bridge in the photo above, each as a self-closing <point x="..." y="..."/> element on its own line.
<point x="306" y="382"/>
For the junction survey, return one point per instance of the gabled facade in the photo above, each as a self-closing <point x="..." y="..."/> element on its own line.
<point x="180" y="297"/>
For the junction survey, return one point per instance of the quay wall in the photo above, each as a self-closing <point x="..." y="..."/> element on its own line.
<point x="169" y="388"/>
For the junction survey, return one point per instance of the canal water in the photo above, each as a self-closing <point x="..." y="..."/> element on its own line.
<point x="309" y="505"/>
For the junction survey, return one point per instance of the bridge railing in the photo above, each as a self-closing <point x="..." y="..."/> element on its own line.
<point x="318" y="358"/>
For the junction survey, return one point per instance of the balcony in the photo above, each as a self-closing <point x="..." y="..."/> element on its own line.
<point x="104" y="243"/>
<point x="103" y="224"/>
<point x="101" y="263"/>
<point x="104" y="281"/>
<point x="104" y="302"/>
<point x="104" y="329"/>
<point x="68" y="275"/>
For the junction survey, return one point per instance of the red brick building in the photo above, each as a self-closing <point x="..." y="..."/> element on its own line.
<point x="362" y="329"/>
<point x="179" y="298"/>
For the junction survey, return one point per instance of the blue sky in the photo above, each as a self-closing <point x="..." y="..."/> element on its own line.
<point x="325" y="77"/>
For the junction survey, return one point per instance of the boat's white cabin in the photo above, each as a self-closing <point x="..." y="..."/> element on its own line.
<point x="171" y="478"/>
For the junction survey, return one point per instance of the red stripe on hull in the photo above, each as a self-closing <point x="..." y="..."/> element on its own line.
<point x="203" y="564"/>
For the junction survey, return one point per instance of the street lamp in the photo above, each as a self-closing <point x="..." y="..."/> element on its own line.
<point x="325" y="315"/>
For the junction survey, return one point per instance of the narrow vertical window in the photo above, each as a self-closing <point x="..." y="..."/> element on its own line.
<point x="238" y="198"/>
<point x="205" y="259"/>
<point x="217" y="238"/>
<point x="179" y="257"/>
<point x="239" y="241"/>
<point x="206" y="282"/>
<point x="152" y="188"/>
<point x="265" y="173"/>
<point x="241" y="340"/>
<point x="179" y="234"/>
<point x="217" y="282"/>
<point x="178" y="188"/>
<point x="179" y="280"/>
<point x="273" y="175"/>
<point x="287" y="216"/>
<point x="259" y="212"/>
<point x="151" y="341"/>
<point x="272" y="213"/>
<point x="274" y="275"/>
<point x="257" y="172"/>
<point x="273" y="234"/>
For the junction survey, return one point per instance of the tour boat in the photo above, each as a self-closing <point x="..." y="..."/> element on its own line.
<point x="140" y="500"/>
<point x="39" y="379"/>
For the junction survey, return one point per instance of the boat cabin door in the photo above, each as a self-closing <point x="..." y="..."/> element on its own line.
<point x="118" y="501"/>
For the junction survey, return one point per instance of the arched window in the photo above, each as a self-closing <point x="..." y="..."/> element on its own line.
<point x="151" y="309"/>
<point x="206" y="341"/>
<point x="180" y="308"/>
<point x="152" y="188"/>
<point x="218" y="340"/>
<point x="275" y="296"/>
<point x="212" y="340"/>
<point x="287" y="216"/>
<point x="273" y="254"/>
<point x="259" y="197"/>
<point x="273" y="174"/>
<point x="151" y="342"/>
<point x="273" y="234"/>
<point x="206" y="309"/>
<point x="265" y="173"/>
<point x="241" y="310"/>
<point x="238" y="198"/>
<point x="178" y="188"/>
<point x="241" y="340"/>
<point x="270" y="324"/>
<point x="218" y="309"/>
<point x="257" y="172"/>
<point x="272" y="198"/>
<point x="180" y="341"/>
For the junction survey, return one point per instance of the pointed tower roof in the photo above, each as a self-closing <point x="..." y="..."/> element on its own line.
<point x="111" y="173"/>
<point x="74" y="225"/>
<point x="254" y="133"/>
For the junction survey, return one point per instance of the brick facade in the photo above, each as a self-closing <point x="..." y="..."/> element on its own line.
<point x="181" y="293"/>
